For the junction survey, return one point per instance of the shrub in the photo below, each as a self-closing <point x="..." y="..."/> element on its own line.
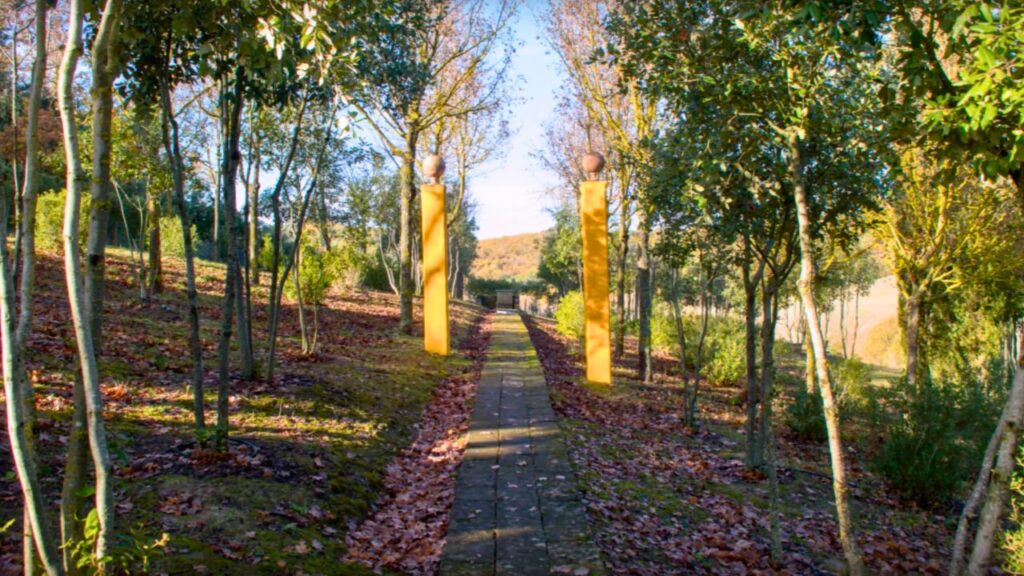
<point x="663" y="331"/>
<point x="569" y="315"/>
<point x="318" y="270"/>
<point x="938" y="439"/>
<point x="50" y="221"/>
<point x="172" y="242"/>
<point x="805" y="417"/>
<point x="1013" y="538"/>
<point x="725" y="356"/>
<point x="852" y="384"/>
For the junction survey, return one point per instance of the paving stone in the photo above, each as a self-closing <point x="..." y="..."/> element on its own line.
<point x="517" y="508"/>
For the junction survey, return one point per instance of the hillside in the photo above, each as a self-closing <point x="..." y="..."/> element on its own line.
<point x="508" y="257"/>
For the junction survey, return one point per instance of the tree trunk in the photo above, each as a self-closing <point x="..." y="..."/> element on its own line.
<point x="72" y="501"/>
<point x="769" y="317"/>
<point x="277" y="280"/>
<point x="405" y="240"/>
<point x="750" y="282"/>
<point x="999" y="480"/>
<point x="17" y="425"/>
<point x="810" y="378"/>
<point x="156" y="276"/>
<point x="323" y="220"/>
<point x="77" y="298"/>
<point x="253" y="207"/>
<point x="172" y="146"/>
<point x="277" y="294"/>
<point x="104" y="69"/>
<point x="913" y="330"/>
<point x="847" y="536"/>
<point x="620" y="278"/>
<point x="643" y="289"/>
<point x="244" y="326"/>
<point x="856" y="323"/>
<point x="19" y="396"/>
<point x="231" y="110"/>
<point x="303" y="330"/>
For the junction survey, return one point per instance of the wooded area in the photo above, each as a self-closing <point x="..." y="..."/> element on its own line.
<point x="211" y="276"/>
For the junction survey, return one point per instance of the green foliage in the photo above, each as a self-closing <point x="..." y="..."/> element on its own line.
<point x="172" y="242"/>
<point x="1013" y="538"/>
<point x="50" y="221"/>
<point x="726" y="355"/>
<point x="560" y="252"/>
<point x="852" y="379"/>
<point x="131" y="554"/>
<point x="318" y="270"/>
<point x="569" y="314"/>
<point x="805" y="417"/>
<point x="938" y="439"/>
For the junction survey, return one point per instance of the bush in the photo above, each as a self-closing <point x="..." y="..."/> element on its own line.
<point x="1013" y="538"/>
<point x="938" y="440"/>
<point x="569" y="315"/>
<point x="852" y="384"/>
<point x="172" y="242"/>
<point x="806" y="417"/>
<point x="318" y="270"/>
<point x="50" y="221"/>
<point x="726" y="357"/>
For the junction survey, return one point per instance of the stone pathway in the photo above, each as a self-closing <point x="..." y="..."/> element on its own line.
<point x="517" y="509"/>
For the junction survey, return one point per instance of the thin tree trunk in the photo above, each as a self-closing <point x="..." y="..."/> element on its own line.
<point x="750" y="283"/>
<point x="769" y="317"/>
<point x="77" y="298"/>
<point x="856" y="323"/>
<point x="810" y="378"/>
<point x="405" y="240"/>
<point x="999" y="480"/>
<point x="254" y="218"/>
<point x="156" y="275"/>
<point x="303" y="330"/>
<point x="277" y="279"/>
<point x="913" y="331"/>
<point x="277" y="294"/>
<point x="72" y="501"/>
<point x="104" y="68"/>
<point x="19" y="396"/>
<point x="231" y="110"/>
<point x="25" y="249"/>
<point x="620" y="277"/>
<point x="244" y="326"/>
<point x="17" y="425"/>
<point x="169" y="129"/>
<point x="643" y="289"/>
<point x="847" y="536"/>
<point x="842" y="322"/>
<point x="970" y="511"/>
<point x="15" y="202"/>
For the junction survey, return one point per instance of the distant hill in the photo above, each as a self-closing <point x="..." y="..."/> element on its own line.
<point x="508" y="257"/>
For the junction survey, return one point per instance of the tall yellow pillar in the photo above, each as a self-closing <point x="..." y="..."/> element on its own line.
<point x="435" y="265"/>
<point x="594" y="208"/>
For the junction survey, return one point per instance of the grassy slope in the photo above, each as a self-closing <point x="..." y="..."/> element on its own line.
<point x="311" y="447"/>
<point x="514" y="257"/>
<point x="668" y="500"/>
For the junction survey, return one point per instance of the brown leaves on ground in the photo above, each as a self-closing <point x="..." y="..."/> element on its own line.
<point x="669" y="500"/>
<point x="407" y="527"/>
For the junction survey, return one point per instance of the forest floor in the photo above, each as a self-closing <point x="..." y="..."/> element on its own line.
<point x="311" y="452"/>
<point x="666" y="499"/>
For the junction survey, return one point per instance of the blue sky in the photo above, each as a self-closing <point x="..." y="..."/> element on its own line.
<point x="510" y="192"/>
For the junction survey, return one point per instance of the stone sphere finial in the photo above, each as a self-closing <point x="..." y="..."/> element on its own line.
<point x="433" y="168"/>
<point x="593" y="164"/>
